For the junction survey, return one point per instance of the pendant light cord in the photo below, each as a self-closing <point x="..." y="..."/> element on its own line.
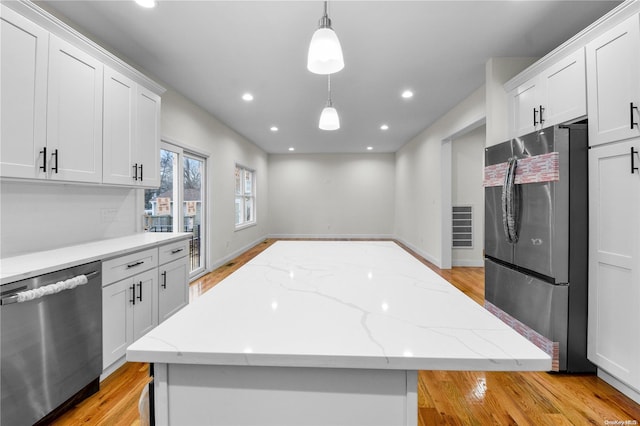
<point x="329" y="103"/>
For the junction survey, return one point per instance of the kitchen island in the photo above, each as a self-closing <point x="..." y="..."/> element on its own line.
<point x="321" y="332"/>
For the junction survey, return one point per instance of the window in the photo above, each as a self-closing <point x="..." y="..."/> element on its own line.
<point x="245" y="196"/>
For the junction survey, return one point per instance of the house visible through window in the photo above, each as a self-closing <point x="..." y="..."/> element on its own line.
<point x="245" y="196"/>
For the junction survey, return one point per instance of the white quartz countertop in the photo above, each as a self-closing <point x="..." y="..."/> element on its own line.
<point x="338" y="304"/>
<point x="38" y="263"/>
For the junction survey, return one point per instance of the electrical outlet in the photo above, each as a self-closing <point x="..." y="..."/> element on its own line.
<point x="108" y="215"/>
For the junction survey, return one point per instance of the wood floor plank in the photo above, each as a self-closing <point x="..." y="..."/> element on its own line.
<point x="444" y="397"/>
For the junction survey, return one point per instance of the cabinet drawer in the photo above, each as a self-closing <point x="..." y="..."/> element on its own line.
<point x="125" y="266"/>
<point x="173" y="251"/>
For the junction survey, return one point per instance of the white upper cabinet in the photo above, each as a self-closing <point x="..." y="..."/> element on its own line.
<point x="74" y="113"/>
<point x="554" y="96"/>
<point x="148" y="138"/>
<point x="564" y="92"/>
<point x="71" y="111"/>
<point x="525" y="101"/>
<point x="23" y="75"/>
<point x="131" y="153"/>
<point x="118" y="128"/>
<point x="613" y="83"/>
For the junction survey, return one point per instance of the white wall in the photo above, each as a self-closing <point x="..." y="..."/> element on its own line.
<point x="497" y="72"/>
<point x="418" y="200"/>
<point x="45" y="215"/>
<point x="467" y="152"/>
<point x="331" y="195"/>
<point x="189" y="125"/>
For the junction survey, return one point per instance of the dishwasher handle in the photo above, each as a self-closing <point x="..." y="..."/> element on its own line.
<point x="46" y="290"/>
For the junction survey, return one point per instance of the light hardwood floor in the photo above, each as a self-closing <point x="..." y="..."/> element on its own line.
<point x="445" y="397"/>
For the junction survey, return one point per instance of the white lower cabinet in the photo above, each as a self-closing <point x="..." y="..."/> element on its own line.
<point x="614" y="260"/>
<point x="137" y="295"/>
<point x="129" y="310"/>
<point x="173" y="291"/>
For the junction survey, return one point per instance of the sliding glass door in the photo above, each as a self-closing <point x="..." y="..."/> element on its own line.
<point x="179" y="203"/>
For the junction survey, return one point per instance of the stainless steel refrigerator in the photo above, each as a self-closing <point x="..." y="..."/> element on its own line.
<point x="536" y="236"/>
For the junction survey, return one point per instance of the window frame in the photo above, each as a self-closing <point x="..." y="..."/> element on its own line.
<point x="243" y="195"/>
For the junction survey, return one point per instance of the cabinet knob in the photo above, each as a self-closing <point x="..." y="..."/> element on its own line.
<point x="634" y="168"/>
<point x="535" y="117"/>
<point x="135" y="171"/>
<point x="541" y="119"/>
<point x="164" y="279"/>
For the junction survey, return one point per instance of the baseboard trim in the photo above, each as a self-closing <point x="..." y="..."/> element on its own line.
<point x="236" y="253"/>
<point x="619" y="385"/>
<point x="468" y="263"/>
<point x="334" y="236"/>
<point x="427" y="256"/>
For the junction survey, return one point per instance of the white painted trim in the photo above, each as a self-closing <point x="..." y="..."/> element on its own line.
<point x="55" y="26"/>
<point x="411" y="418"/>
<point x="161" y="393"/>
<point x="336" y="236"/>
<point x="445" y="203"/>
<point x="426" y="256"/>
<point x="113" y="367"/>
<point x="445" y="190"/>
<point x="469" y="263"/>
<point x="606" y="22"/>
<point x="219" y="262"/>
<point x="619" y="385"/>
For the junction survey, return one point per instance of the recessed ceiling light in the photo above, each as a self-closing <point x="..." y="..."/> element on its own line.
<point x="407" y="94"/>
<point x="147" y="3"/>
<point x="247" y="97"/>
<point x="384" y="127"/>
<point x="274" y="129"/>
<point x="369" y="148"/>
<point x="292" y="149"/>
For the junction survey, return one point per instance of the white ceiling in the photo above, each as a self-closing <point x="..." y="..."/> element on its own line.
<point x="214" y="51"/>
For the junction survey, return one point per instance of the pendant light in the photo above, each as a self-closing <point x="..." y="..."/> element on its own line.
<point x="325" y="52"/>
<point x="329" y="119"/>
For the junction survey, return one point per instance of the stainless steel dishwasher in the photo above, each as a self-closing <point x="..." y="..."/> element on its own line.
<point x="50" y="343"/>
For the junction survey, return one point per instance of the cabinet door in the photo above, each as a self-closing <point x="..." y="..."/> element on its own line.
<point x="117" y="315"/>
<point x="145" y="308"/>
<point x="74" y="113"/>
<point x="148" y="137"/>
<point x="23" y="84"/>
<point x="118" y="128"/>
<point x="524" y="104"/>
<point x="613" y="67"/>
<point x="564" y="92"/>
<point x="173" y="291"/>
<point x="614" y="261"/>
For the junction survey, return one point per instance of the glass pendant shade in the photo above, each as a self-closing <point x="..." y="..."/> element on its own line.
<point x="329" y="119"/>
<point x="325" y="52"/>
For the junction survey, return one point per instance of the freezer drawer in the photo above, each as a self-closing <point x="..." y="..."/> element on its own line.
<point x="541" y="306"/>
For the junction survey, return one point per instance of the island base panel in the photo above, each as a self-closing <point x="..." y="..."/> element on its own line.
<point x="243" y="395"/>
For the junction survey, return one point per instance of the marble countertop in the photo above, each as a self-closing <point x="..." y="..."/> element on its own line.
<point x="341" y="305"/>
<point x="33" y="264"/>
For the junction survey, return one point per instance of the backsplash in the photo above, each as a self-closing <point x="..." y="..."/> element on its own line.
<point x="41" y="216"/>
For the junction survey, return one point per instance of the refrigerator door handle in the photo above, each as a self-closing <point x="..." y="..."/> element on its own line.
<point x="510" y="202"/>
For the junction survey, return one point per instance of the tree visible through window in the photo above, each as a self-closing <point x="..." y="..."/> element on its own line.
<point x="245" y="196"/>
